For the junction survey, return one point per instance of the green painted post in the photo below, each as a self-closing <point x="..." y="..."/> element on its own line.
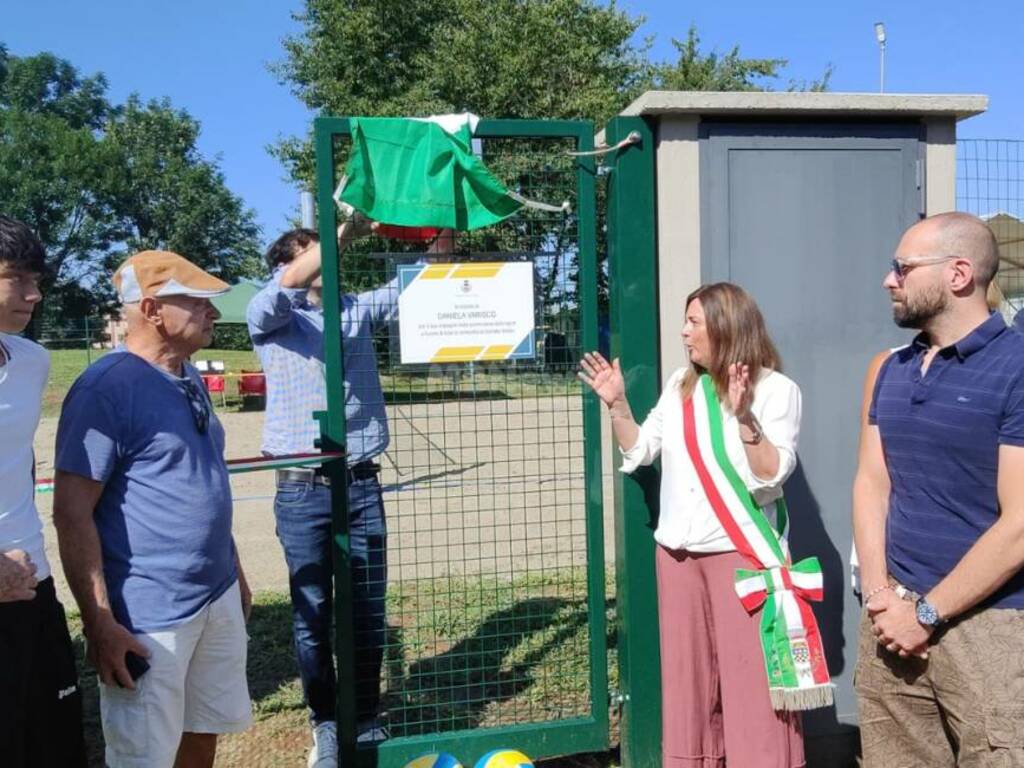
<point x="633" y="282"/>
<point x="332" y="431"/>
<point x="587" y="244"/>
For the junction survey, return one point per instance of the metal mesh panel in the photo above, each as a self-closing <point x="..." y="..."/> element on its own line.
<point x="990" y="184"/>
<point x="483" y="484"/>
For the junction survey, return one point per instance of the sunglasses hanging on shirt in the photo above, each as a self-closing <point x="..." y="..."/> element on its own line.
<point x="199" y="405"/>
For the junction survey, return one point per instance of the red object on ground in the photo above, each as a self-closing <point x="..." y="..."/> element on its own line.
<point x="252" y="388"/>
<point x="252" y="383"/>
<point x="214" y="382"/>
<point x="412" y="234"/>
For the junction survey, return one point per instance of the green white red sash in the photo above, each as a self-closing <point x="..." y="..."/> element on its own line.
<point x="794" y="660"/>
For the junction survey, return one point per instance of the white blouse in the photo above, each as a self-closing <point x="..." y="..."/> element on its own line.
<point x="687" y="520"/>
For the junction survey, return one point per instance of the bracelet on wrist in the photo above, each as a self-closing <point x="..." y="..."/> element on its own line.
<point x="876" y="591"/>
<point x="757" y="434"/>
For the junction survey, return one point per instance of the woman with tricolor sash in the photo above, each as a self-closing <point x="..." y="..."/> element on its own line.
<point x="741" y="654"/>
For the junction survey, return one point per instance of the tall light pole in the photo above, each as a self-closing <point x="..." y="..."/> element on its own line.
<point x="880" y="37"/>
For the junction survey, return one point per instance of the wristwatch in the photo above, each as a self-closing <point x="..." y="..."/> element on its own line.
<point x="927" y="616"/>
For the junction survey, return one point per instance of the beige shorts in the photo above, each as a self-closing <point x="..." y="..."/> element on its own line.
<point x="963" y="707"/>
<point x="195" y="683"/>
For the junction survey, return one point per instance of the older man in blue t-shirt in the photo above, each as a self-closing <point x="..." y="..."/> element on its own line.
<point x="142" y="508"/>
<point x="938" y="512"/>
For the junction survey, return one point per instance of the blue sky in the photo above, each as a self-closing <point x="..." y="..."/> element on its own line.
<point x="211" y="57"/>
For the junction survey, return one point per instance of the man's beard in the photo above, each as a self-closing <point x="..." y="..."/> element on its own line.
<point x="915" y="312"/>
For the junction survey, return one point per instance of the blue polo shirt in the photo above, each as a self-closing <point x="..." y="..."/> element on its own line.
<point x="941" y="434"/>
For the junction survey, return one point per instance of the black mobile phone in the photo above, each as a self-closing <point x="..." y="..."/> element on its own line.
<point x="136" y="665"/>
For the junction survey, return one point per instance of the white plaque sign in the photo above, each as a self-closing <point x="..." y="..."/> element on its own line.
<point x="456" y="313"/>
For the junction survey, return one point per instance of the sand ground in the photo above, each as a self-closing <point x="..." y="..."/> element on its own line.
<point x="492" y="486"/>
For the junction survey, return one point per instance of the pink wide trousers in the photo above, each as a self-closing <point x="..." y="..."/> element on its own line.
<point x="715" y="707"/>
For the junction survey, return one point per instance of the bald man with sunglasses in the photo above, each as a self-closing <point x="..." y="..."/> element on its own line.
<point x="938" y="513"/>
<point x="142" y="507"/>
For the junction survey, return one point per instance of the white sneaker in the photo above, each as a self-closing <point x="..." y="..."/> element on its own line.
<point x="371" y="731"/>
<point x="324" y="753"/>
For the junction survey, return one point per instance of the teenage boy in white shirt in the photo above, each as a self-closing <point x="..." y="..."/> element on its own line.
<point x="40" y="702"/>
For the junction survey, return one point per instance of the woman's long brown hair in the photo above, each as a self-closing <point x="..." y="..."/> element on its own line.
<point x="736" y="334"/>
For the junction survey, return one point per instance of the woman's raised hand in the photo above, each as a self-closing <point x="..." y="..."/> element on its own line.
<point x="603" y="377"/>
<point x="741" y="394"/>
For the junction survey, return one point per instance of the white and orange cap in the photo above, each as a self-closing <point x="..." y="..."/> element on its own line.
<point x="162" y="273"/>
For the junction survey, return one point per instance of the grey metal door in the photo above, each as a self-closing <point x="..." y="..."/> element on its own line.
<point x="806" y="219"/>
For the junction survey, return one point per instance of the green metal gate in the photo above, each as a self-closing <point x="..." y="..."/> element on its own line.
<point x="496" y="584"/>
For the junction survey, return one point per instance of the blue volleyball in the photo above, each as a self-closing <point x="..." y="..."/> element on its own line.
<point x="434" y="760"/>
<point x="504" y="758"/>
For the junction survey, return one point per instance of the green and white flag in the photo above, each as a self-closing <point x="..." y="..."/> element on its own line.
<point x="421" y="172"/>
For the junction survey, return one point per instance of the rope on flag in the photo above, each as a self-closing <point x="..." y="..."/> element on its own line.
<point x="632" y="138"/>
<point x="251" y="464"/>
<point x="794" y="659"/>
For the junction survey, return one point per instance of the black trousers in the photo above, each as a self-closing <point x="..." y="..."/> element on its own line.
<point x="40" y="698"/>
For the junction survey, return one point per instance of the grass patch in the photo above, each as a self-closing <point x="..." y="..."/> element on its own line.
<point x="66" y="365"/>
<point x="484" y="652"/>
<point x="461" y="653"/>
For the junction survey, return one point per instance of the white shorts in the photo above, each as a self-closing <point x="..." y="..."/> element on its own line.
<point x="195" y="683"/>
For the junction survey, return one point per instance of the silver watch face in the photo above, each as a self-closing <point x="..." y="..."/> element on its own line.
<point x="926" y="614"/>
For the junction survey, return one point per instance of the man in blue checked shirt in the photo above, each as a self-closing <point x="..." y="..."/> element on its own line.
<point x="286" y="324"/>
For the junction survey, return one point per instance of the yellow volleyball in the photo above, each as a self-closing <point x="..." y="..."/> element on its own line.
<point x="504" y="758"/>
<point x="434" y="760"/>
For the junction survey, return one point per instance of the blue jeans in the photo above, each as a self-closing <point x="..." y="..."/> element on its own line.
<point x="303" y="512"/>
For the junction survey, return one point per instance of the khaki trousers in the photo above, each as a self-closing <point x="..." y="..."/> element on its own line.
<point x="963" y="707"/>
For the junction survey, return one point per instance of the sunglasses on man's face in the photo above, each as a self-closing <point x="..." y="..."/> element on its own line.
<point x="900" y="267"/>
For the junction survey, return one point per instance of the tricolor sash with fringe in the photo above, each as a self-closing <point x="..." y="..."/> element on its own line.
<point x="794" y="660"/>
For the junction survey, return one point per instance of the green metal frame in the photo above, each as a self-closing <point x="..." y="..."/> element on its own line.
<point x="633" y="281"/>
<point x="535" y="739"/>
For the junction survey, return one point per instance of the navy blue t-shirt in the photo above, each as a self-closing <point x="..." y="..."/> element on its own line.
<point x="164" y="518"/>
<point x="941" y="434"/>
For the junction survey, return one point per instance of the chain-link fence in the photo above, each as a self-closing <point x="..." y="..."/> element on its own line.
<point x="87" y="334"/>
<point x="990" y="184"/>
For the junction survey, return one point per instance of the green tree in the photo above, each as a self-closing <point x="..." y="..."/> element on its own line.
<point x="694" y="70"/>
<point x="171" y="198"/>
<point x="558" y="59"/>
<point x="564" y="59"/>
<point x="54" y="166"/>
<point x="97" y="181"/>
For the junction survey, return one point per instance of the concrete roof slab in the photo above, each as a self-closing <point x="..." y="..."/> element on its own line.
<point x="758" y="103"/>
